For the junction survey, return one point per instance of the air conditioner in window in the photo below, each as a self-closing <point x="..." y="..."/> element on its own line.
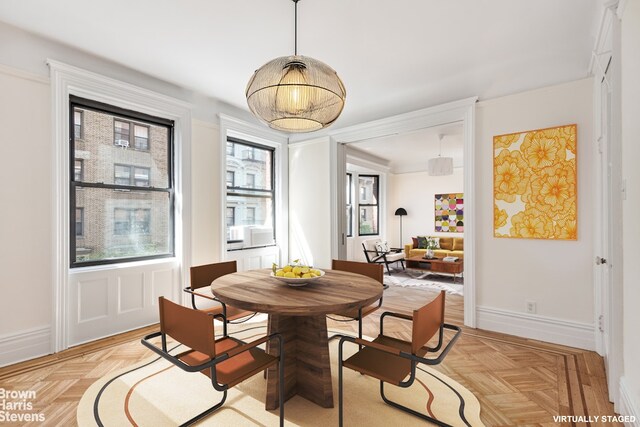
<point x="122" y="143"/>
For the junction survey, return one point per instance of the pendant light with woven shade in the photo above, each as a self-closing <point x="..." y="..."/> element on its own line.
<point x="296" y="93"/>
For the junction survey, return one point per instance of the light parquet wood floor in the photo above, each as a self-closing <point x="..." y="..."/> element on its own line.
<point x="518" y="382"/>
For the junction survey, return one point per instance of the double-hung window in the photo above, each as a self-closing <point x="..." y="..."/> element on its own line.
<point x="251" y="180"/>
<point x="132" y="175"/>
<point x="231" y="179"/>
<point x="250" y="203"/>
<point x="124" y="166"/>
<point x="368" y="204"/>
<point x="231" y="217"/>
<point x="130" y="134"/>
<point x="77" y="124"/>
<point x="79" y="222"/>
<point x="78" y="170"/>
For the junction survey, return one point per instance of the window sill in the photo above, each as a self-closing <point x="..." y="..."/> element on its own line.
<point x="252" y="248"/>
<point x="121" y="265"/>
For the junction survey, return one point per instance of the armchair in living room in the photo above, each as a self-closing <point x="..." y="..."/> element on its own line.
<point x="377" y="251"/>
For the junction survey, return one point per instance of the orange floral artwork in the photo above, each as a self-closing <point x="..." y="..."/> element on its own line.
<point x="535" y="184"/>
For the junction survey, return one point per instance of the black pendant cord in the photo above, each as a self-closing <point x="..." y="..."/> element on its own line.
<point x="295" y="28"/>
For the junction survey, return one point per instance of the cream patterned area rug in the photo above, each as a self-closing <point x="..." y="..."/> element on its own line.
<point x="155" y="393"/>
<point x="417" y="278"/>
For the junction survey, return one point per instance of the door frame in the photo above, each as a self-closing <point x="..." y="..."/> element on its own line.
<point x="605" y="67"/>
<point x="458" y="111"/>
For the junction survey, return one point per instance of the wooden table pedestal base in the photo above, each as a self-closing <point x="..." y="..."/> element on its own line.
<point x="307" y="370"/>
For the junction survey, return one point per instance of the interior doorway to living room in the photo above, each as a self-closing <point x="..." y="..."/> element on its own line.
<point x="405" y="192"/>
<point x="456" y="112"/>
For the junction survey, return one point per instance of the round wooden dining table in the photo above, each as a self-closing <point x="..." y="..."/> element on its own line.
<point x="299" y="314"/>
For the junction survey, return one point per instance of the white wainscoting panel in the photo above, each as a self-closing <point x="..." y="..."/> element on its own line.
<point x="548" y="329"/>
<point x="253" y="262"/>
<point x="111" y="300"/>
<point x="24" y="345"/>
<point x="130" y="292"/>
<point x="161" y="283"/>
<point x="93" y="299"/>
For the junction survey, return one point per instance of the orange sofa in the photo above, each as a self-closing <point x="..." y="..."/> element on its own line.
<point x="449" y="246"/>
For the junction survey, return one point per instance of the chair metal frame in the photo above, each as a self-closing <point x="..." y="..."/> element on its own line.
<point x="381" y="257"/>
<point x="412" y="357"/>
<point x="193" y="293"/>
<point x="211" y="365"/>
<point x="359" y="315"/>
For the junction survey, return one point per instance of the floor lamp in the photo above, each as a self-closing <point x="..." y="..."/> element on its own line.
<point x="401" y="212"/>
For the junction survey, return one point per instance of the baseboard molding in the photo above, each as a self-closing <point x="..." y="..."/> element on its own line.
<point x="25" y="345"/>
<point x="628" y="407"/>
<point x="548" y="329"/>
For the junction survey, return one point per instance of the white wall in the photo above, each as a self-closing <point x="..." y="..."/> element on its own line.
<point x="309" y="202"/>
<point x="29" y="52"/>
<point x="630" y="71"/>
<point x="557" y="275"/>
<point x="415" y="192"/>
<point x="206" y="187"/>
<point x="25" y="217"/>
<point x="25" y="195"/>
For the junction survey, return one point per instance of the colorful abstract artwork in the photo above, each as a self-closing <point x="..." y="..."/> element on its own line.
<point x="535" y="184"/>
<point x="449" y="212"/>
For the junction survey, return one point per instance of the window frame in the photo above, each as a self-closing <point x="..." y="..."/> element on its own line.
<point x="132" y="134"/>
<point x="349" y="204"/>
<point x="81" y="124"/>
<point x="81" y="222"/>
<point x="132" y="174"/>
<point x="238" y="190"/>
<point x="132" y="116"/>
<point x="251" y="209"/>
<point x="251" y="185"/>
<point x="233" y="216"/>
<point x="115" y="120"/>
<point x="81" y="168"/>
<point x="135" y="141"/>
<point x="377" y="204"/>
<point x="233" y="178"/>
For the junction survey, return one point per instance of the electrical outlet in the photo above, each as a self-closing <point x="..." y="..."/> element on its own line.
<point x="531" y="307"/>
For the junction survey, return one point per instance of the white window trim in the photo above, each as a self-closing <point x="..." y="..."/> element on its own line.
<point x="231" y="126"/>
<point x="364" y="164"/>
<point x="69" y="80"/>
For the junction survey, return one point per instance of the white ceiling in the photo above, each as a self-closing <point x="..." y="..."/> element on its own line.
<point x="408" y="152"/>
<point x="393" y="56"/>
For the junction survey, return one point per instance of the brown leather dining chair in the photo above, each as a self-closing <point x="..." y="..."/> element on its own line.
<point x="374" y="271"/>
<point x="227" y="361"/>
<point x="394" y="361"/>
<point x="202" y="276"/>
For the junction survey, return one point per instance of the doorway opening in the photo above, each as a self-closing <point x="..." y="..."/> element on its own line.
<point x="390" y="175"/>
<point x="354" y="151"/>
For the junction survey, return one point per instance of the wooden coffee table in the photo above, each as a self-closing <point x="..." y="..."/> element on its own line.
<point x="436" y="265"/>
